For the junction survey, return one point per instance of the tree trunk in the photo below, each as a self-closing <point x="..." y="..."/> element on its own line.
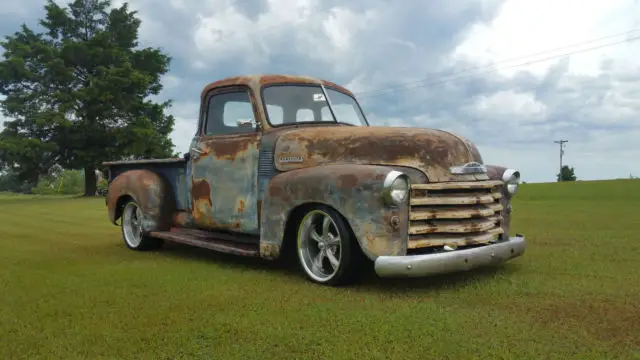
<point x="90" y="185"/>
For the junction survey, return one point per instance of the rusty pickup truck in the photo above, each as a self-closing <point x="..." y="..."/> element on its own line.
<point x="285" y="166"/>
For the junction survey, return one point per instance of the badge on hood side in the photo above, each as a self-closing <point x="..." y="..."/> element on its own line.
<point x="468" y="168"/>
<point x="290" y="158"/>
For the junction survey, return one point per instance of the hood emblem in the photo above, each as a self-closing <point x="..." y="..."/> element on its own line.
<point x="468" y="168"/>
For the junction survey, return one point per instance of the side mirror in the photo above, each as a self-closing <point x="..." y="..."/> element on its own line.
<point x="244" y="123"/>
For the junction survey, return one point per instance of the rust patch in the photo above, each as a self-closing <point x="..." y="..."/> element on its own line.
<point x="241" y="206"/>
<point x="200" y="191"/>
<point x="229" y="146"/>
<point x="182" y="219"/>
<point x="269" y="251"/>
<point x="347" y="181"/>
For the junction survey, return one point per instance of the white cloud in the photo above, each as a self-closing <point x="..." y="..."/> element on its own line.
<point x="508" y="105"/>
<point x="526" y="27"/>
<point x="309" y="27"/>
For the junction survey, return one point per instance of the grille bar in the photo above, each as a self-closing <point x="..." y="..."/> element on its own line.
<point x="457" y="227"/>
<point x="456" y="199"/>
<point x="458" y="185"/>
<point x="460" y="240"/>
<point x="455" y="213"/>
<point x="444" y="212"/>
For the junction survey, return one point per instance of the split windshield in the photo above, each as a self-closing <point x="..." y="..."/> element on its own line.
<point x="297" y="104"/>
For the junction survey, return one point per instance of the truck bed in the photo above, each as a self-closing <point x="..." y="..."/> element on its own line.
<point x="172" y="169"/>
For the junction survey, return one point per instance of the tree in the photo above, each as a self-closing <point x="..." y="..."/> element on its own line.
<point x="79" y="93"/>
<point x="566" y="174"/>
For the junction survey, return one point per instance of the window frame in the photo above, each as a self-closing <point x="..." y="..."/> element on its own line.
<point x="266" y="112"/>
<point x="223" y="90"/>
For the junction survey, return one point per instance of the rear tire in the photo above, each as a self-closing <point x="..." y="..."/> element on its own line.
<point x="327" y="251"/>
<point x="132" y="231"/>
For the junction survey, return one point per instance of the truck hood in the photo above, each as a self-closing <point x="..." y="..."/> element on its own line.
<point x="430" y="151"/>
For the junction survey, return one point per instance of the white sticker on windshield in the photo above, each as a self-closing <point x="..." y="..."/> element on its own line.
<point x="318" y="97"/>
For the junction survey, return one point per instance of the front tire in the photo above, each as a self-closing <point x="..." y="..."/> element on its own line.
<point x="132" y="230"/>
<point x="327" y="251"/>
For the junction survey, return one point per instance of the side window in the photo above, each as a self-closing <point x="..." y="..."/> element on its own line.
<point x="230" y="113"/>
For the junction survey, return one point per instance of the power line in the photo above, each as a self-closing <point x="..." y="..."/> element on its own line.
<point x="422" y="83"/>
<point x="561" y="142"/>
<point x="513" y="59"/>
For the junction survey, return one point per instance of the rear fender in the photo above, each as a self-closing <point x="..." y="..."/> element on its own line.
<point x="355" y="191"/>
<point x="150" y="191"/>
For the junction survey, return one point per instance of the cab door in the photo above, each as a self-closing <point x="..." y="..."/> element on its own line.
<point x="224" y="163"/>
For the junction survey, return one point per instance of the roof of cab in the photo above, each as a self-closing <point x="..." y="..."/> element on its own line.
<point x="257" y="81"/>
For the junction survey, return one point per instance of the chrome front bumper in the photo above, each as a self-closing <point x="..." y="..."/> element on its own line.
<point x="449" y="262"/>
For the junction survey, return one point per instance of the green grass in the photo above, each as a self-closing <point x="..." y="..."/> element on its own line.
<point x="70" y="289"/>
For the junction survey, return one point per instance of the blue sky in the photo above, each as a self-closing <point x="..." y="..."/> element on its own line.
<point x="513" y="115"/>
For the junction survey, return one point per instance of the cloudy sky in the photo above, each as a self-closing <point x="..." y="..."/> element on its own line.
<point x="490" y="70"/>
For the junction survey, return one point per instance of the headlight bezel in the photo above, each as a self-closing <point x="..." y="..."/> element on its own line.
<point x="395" y="181"/>
<point x="511" y="178"/>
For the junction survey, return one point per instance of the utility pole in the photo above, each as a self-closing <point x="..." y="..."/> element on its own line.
<point x="561" y="142"/>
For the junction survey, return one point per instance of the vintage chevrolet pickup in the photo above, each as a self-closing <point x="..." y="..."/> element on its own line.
<point x="289" y="166"/>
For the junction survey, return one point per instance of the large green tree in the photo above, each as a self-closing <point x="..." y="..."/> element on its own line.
<point x="81" y="92"/>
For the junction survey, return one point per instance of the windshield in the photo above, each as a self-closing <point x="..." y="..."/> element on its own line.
<point x="295" y="104"/>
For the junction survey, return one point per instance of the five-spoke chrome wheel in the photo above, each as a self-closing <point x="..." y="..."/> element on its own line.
<point x="133" y="231"/>
<point x="324" y="247"/>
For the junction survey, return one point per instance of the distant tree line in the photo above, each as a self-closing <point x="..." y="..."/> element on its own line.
<point x="57" y="181"/>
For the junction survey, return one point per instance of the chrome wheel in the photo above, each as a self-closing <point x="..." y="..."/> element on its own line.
<point x="132" y="225"/>
<point x="319" y="245"/>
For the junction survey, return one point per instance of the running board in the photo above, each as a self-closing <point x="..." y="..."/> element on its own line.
<point x="242" y="245"/>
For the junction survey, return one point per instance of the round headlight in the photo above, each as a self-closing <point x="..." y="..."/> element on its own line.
<point x="396" y="188"/>
<point x="511" y="177"/>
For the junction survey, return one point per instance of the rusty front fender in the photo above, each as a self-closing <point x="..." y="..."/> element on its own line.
<point x="355" y="191"/>
<point x="150" y="191"/>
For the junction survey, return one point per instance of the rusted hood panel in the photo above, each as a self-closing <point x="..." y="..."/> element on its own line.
<point x="430" y="151"/>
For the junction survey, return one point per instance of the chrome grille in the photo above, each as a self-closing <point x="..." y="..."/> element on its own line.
<point x="455" y="213"/>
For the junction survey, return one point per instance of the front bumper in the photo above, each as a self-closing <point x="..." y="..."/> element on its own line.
<point x="449" y="262"/>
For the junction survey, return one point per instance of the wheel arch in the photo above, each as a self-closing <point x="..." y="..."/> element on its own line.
<point x="296" y="215"/>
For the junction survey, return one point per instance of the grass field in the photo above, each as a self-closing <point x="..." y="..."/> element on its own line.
<point x="70" y="289"/>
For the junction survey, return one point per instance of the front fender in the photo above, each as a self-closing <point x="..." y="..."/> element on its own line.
<point x="355" y="191"/>
<point x="150" y="191"/>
